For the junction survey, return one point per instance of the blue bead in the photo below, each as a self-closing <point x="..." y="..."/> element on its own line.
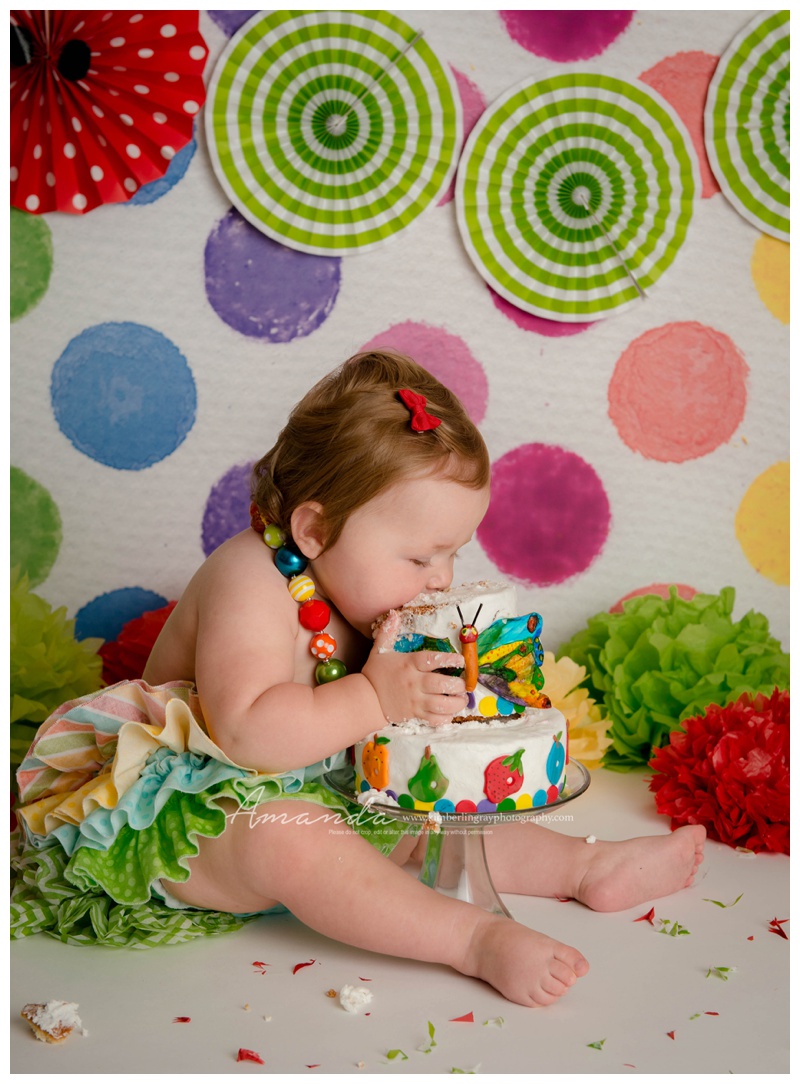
<point x="289" y="561"/>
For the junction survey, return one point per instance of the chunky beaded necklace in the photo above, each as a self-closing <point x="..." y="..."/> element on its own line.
<point x="314" y="614"/>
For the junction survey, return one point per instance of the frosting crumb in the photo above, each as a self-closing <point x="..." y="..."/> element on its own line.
<point x="354" y="998"/>
<point x="591" y="839"/>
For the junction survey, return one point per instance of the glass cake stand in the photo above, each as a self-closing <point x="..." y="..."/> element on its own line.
<point x="455" y="855"/>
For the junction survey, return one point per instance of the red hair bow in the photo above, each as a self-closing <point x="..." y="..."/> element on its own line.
<point x="420" y="419"/>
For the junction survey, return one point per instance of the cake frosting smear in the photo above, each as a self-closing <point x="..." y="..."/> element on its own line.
<point x="508" y="749"/>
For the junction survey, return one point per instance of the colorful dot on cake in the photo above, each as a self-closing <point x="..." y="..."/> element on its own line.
<point x="524" y="801"/>
<point x="508" y="805"/>
<point x="487" y="706"/>
<point x="444" y="805"/>
<point x="466" y="806"/>
<point x="539" y="799"/>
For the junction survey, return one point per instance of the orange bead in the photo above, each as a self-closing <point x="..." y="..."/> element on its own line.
<point x="322" y="645"/>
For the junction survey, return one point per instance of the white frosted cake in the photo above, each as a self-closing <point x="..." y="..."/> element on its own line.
<point x="502" y="753"/>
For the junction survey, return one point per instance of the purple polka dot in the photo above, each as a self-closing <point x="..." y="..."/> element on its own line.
<point x="540" y="324"/>
<point x="565" y="35"/>
<point x="549" y="515"/>
<point x="444" y="355"/>
<point x="485" y="806"/>
<point x="262" y="288"/>
<point x="228" y="507"/>
<point x="231" y="21"/>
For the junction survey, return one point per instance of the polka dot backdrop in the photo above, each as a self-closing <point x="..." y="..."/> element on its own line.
<point x="158" y="344"/>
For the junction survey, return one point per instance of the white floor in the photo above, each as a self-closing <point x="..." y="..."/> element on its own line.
<point x="648" y="999"/>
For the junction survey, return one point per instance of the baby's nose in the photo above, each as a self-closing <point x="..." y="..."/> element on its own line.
<point x="440" y="579"/>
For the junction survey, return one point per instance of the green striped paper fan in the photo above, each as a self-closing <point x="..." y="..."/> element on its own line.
<point x="575" y="193"/>
<point x="747" y="123"/>
<point x="332" y="131"/>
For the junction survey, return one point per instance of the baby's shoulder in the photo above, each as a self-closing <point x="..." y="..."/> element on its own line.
<point x="241" y="570"/>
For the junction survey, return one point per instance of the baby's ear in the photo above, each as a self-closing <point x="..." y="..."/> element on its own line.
<point x="308" y="529"/>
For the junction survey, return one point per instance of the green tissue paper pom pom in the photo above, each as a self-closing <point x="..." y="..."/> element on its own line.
<point x="48" y="665"/>
<point x="661" y="661"/>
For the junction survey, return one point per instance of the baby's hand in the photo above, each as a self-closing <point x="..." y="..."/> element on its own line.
<point x="407" y="684"/>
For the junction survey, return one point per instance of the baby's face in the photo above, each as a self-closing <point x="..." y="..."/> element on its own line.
<point x="400" y="543"/>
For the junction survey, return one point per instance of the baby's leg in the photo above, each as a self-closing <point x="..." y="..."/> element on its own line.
<point x="607" y="876"/>
<point x="337" y="883"/>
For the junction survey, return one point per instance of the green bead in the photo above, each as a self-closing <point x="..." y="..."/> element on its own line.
<point x="274" y="536"/>
<point x="329" y="671"/>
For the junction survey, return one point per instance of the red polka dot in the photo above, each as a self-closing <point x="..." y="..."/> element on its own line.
<point x="445" y="355"/>
<point x="660" y="589"/>
<point x="549" y="515"/>
<point x="683" y="79"/>
<point x="473" y="105"/>
<point x="540" y="324"/>
<point x="565" y="35"/>
<point x="678" y="392"/>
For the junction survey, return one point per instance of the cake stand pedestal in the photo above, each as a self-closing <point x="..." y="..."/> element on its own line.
<point x="455" y="855"/>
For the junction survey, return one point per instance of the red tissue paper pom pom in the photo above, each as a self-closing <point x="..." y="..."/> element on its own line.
<point x="125" y="658"/>
<point x="729" y="770"/>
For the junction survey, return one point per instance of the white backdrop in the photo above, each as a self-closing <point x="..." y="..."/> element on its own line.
<point x="148" y="265"/>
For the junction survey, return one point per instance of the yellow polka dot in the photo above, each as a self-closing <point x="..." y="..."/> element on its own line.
<point x="524" y="801"/>
<point x="423" y="805"/>
<point x="488" y="706"/>
<point x="770" y="270"/>
<point x="762" y="523"/>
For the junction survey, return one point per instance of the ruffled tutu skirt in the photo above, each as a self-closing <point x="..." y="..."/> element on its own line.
<point x="115" y="792"/>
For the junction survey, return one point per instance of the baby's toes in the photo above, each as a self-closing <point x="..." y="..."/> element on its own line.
<point x="574" y="960"/>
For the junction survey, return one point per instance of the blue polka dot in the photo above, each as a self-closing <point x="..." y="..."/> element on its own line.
<point x="124" y="395"/>
<point x="106" y="615"/>
<point x="444" y="805"/>
<point x="504" y="707"/>
<point x="227" y="509"/>
<point x="540" y="798"/>
<point x="149" y="193"/>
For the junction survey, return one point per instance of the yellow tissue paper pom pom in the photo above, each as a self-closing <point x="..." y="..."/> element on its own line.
<point x="587" y="727"/>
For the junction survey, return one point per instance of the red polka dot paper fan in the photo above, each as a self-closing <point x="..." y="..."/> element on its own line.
<point x="101" y="101"/>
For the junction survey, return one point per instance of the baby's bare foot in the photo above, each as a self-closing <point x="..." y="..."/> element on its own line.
<point x="624" y="874"/>
<point x="523" y="965"/>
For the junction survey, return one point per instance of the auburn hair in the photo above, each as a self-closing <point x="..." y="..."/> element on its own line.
<point x="350" y="438"/>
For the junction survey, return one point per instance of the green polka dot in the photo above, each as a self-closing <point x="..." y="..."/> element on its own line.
<point x="31" y="246"/>
<point x="35" y="527"/>
<point x="508" y="805"/>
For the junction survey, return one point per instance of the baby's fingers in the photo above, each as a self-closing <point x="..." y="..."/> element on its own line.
<point x="437" y="660"/>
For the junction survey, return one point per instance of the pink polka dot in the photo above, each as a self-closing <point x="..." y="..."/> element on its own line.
<point x="473" y="105"/>
<point x="445" y="355"/>
<point x="566" y="35"/>
<point x="540" y="324"/>
<point x="549" y="515"/>
<point x="660" y="589"/>
<point x="683" y="79"/>
<point x="678" y="392"/>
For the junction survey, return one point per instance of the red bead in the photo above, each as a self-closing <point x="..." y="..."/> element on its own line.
<point x="314" y="614"/>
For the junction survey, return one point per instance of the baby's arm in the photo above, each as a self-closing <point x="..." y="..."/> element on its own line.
<point x="246" y="660"/>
